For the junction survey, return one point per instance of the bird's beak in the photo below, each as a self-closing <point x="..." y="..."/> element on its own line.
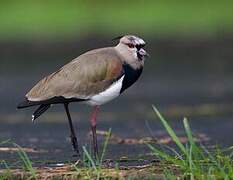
<point x="143" y="53"/>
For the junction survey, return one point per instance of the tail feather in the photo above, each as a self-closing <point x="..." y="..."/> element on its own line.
<point x="26" y="103"/>
<point x="39" y="111"/>
<point x="55" y="100"/>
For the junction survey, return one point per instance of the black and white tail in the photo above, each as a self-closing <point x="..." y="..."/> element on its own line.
<point x="40" y="110"/>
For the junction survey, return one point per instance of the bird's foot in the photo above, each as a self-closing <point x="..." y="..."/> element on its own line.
<point x="76" y="155"/>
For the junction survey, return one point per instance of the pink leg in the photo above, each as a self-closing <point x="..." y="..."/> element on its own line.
<point x="93" y="128"/>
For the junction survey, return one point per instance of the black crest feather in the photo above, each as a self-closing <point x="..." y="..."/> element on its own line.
<point x="117" y="38"/>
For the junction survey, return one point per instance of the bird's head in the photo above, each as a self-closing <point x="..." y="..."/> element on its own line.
<point x="131" y="46"/>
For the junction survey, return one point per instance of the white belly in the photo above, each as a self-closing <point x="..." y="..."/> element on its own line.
<point x="109" y="94"/>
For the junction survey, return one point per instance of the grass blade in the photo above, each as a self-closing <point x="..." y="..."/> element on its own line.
<point x="217" y="164"/>
<point x="5" y="141"/>
<point x="188" y="131"/>
<point x="170" y="131"/>
<point x="165" y="156"/>
<point x="26" y="161"/>
<point x="105" y="146"/>
<point x="7" y="172"/>
<point x="89" y="158"/>
<point x="197" y="152"/>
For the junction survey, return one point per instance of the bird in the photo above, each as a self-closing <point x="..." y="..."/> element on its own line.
<point x="94" y="78"/>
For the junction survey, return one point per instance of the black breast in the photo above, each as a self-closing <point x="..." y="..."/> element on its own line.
<point x="131" y="76"/>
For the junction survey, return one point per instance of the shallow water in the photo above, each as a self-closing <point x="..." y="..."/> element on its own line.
<point x="50" y="140"/>
<point x="194" y="79"/>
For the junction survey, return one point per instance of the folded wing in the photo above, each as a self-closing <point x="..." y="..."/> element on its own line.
<point x="85" y="76"/>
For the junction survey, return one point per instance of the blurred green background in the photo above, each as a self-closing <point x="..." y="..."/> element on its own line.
<point x="189" y="72"/>
<point x="67" y="19"/>
<point x="190" y="43"/>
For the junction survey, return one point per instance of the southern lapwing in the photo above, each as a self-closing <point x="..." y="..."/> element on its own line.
<point x="95" y="78"/>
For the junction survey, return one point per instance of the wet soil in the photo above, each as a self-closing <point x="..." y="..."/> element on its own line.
<point x="183" y="77"/>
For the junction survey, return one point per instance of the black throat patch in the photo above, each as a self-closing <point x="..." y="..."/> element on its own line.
<point x="131" y="76"/>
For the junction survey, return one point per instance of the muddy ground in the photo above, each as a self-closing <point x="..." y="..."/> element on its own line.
<point x="183" y="77"/>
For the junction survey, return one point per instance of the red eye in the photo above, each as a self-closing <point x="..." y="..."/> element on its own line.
<point x="131" y="45"/>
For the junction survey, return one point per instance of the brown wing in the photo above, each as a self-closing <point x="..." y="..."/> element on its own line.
<point x="89" y="74"/>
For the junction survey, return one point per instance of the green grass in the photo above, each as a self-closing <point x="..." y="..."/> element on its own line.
<point x="7" y="172"/>
<point x="27" y="163"/>
<point x="91" y="168"/>
<point x="63" y="19"/>
<point x="24" y="159"/>
<point x="194" y="161"/>
<point x="190" y="161"/>
<point x="92" y="163"/>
